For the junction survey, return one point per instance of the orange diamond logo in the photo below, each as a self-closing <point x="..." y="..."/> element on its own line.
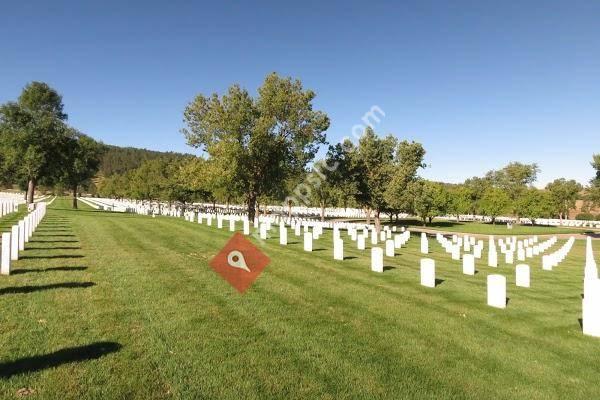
<point x="239" y="262"/>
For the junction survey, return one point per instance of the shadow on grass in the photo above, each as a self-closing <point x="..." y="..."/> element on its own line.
<point x="64" y="356"/>
<point x="53" y="241"/>
<point x="31" y="289"/>
<point x="55" y="248"/>
<point x="350" y="258"/>
<point x="388" y="268"/>
<point x="438" y="282"/>
<point x="28" y="270"/>
<point x="57" y="256"/>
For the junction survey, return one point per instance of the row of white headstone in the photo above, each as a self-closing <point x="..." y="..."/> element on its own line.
<point x="14" y="241"/>
<point x="551" y="260"/>
<point x="9" y="206"/>
<point x="590" y="304"/>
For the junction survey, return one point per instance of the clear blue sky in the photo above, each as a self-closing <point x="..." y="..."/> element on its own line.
<point x="479" y="83"/>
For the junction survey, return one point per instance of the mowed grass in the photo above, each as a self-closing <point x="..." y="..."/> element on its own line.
<point x="120" y="306"/>
<point x="495" y="229"/>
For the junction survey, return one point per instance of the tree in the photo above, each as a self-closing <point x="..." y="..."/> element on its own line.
<point x="535" y="203"/>
<point x="563" y="194"/>
<point x="514" y="179"/>
<point x="374" y="160"/>
<point x="461" y="200"/>
<point x="477" y="187"/>
<point x="343" y="172"/>
<point x="408" y="159"/>
<point x="260" y="141"/>
<point x="32" y="132"/>
<point x="430" y="199"/>
<point x="596" y="165"/>
<point x="323" y="191"/>
<point x="595" y="182"/>
<point x="494" y="202"/>
<point x="81" y="161"/>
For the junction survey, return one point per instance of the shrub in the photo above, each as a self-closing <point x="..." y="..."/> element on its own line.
<point x="585" y="217"/>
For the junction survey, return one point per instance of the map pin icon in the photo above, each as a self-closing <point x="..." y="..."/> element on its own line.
<point x="235" y="259"/>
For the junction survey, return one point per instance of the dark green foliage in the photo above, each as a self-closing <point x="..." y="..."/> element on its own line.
<point x="118" y="160"/>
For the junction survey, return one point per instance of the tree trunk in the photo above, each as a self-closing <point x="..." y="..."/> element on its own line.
<point x="430" y="220"/>
<point x="30" y="191"/>
<point x="290" y="209"/>
<point x="368" y="212"/>
<point x="424" y="221"/>
<point x="377" y="222"/>
<point x="322" y="212"/>
<point x="251" y="202"/>
<point x="75" y="196"/>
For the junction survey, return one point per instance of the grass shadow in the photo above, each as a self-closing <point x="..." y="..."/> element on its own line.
<point x="57" y="256"/>
<point x="438" y="282"/>
<point x="388" y="268"/>
<point x="53" y="241"/>
<point x="350" y="258"/>
<point x="64" y="356"/>
<point x="55" y="248"/>
<point x="51" y="269"/>
<point x="31" y="289"/>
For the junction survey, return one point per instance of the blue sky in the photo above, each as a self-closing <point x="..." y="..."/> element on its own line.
<point x="479" y="83"/>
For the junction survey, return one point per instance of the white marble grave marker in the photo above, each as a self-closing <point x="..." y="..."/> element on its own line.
<point x="308" y="241"/>
<point x="377" y="259"/>
<point x="496" y="291"/>
<point x="428" y="272"/>
<point x="468" y="264"/>
<point x="522" y="275"/>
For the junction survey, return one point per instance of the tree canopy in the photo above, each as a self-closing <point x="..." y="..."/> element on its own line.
<point x="260" y="141"/>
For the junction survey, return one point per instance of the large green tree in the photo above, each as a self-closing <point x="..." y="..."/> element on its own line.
<point x="595" y="182"/>
<point x="514" y="179"/>
<point x="408" y="159"/>
<point x="431" y="199"/>
<point x="32" y="133"/>
<point x="494" y="203"/>
<point x="81" y="160"/>
<point x="374" y="160"/>
<point x="261" y="141"/>
<point x="564" y="194"/>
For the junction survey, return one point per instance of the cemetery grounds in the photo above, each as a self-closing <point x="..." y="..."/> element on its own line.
<point x="123" y="306"/>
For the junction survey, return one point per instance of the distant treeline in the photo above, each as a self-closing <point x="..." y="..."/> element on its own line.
<point x="118" y="160"/>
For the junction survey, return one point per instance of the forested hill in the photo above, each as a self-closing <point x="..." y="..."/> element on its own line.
<point x="117" y="160"/>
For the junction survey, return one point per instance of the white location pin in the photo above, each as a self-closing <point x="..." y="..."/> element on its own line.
<point x="235" y="259"/>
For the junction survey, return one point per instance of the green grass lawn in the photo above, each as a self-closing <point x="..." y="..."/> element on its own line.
<point x="120" y="306"/>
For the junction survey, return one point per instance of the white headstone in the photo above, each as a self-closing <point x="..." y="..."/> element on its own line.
<point x="522" y="275"/>
<point x="496" y="291"/>
<point x="5" y="262"/>
<point x="428" y="272"/>
<point x="14" y="243"/>
<point x="308" y="241"/>
<point x="377" y="259"/>
<point x="389" y="248"/>
<point x="338" y="249"/>
<point x="424" y="243"/>
<point x="360" y="242"/>
<point x="282" y="234"/>
<point x="468" y="264"/>
<point x="590" y="309"/>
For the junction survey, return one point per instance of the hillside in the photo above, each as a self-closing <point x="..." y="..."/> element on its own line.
<point x="117" y="160"/>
